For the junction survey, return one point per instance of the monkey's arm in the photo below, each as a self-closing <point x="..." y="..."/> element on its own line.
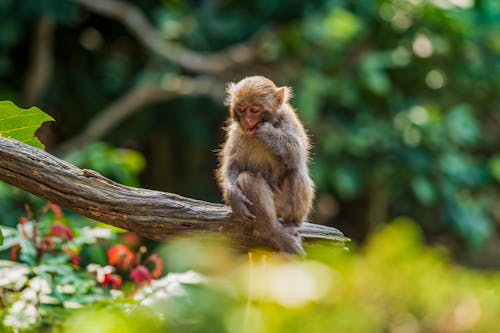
<point x="228" y="178"/>
<point x="283" y="142"/>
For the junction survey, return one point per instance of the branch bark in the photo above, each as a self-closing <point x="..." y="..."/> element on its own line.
<point x="139" y="97"/>
<point x="133" y="18"/>
<point x="152" y="214"/>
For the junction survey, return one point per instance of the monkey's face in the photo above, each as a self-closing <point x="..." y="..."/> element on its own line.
<point x="249" y="117"/>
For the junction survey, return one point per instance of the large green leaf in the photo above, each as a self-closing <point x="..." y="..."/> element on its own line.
<point x="21" y="124"/>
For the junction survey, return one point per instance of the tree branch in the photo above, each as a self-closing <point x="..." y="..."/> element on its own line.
<point x="133" y="18"/>
<point x="136" y="99"/>
<point x="152" y="214"/>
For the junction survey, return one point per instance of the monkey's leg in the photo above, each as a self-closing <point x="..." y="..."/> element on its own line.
<point x="294" y="202"/>
<point x="266" y="226"/>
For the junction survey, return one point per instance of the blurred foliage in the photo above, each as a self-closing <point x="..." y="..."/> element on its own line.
<point x="401" y="99"/>
<point x="393" y="284"/>
<point x="121" y="165"/>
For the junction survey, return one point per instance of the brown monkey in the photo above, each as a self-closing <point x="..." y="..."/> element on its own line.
<point x="263" y="170"/>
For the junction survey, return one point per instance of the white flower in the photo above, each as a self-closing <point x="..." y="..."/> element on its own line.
<point x="176" y="289"/>
<point x="148" y="301"/>
<point x="166" y="287"/>
<point x="20" y="282"/>
<point x="17" y="307"/>
<point x="72" y="305"/>
<point x="46" y="299"/>
<point x="31" y="311"/>
<point x="40" y="285"/>
<point x="93" y="268"/>
<point x="115" y="293"/>
<point x="91" y="234"/>
<point x="108" y="269"/>
<point x="66" y="289"/>
<point x="99" y="277"/>
<point x="13" y="275"/>
<point x="21" y="315"/>
<point x="189" y="277"/>
<point x="29" y="295"/>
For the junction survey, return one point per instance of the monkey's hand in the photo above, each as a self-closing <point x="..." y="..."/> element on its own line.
<point x="241" y="205"/>
<point x="282" y="142"/>
<point x="265" y="129"/>
<point x="267" y="133"/>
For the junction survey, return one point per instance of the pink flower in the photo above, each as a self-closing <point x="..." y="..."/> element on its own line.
<point x="61" y="231"/>
<point x="141" y="275"/>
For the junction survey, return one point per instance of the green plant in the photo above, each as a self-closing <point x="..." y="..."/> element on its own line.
<point x="53" y="269"/>
<point x="394" y="283"/>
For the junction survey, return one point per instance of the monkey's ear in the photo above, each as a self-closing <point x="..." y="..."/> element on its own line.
<point x="283" y="95"/>
<point x="229" y="91"/>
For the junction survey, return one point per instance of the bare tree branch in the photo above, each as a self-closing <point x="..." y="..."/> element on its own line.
<point x="40" y="69"/>
<point x="139" y="97"/>
<point x="152" y="214"/>
<point x="133" y="18"/>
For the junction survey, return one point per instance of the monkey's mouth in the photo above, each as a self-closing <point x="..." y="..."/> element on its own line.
<point x="251" y="130"/>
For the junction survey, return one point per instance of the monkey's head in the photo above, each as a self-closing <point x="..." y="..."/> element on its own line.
<point x="254" y="100"/>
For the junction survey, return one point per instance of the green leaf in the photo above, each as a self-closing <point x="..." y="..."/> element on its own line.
<point x="424" y="190"/>
<point x="21" y="124"/>
<point x="494" y="166"/>
<point x="9" y="237"/>
<point x="462" y="125"/>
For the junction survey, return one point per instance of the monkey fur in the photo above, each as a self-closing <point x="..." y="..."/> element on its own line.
<point x="263" y="171"/>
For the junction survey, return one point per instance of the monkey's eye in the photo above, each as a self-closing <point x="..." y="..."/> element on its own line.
<point x="255" y="110"/>
<point x="240" y="108"/>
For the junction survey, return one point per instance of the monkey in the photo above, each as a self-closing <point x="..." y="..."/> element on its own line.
<point x="263" y="164"/>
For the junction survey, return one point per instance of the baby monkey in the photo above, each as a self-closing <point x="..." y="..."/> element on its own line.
<point x="263" y="170"/>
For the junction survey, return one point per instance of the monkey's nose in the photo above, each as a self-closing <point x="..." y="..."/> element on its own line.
<point x="250" y="122"/>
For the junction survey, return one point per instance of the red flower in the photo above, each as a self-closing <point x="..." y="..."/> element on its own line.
<point x="14" y="252"/>
<point x="22" y="222"/>
<point x="141" y="275"/>
<point x="131" y="239"/>
<point x="61" y="231"/>
<point x="57" y="211"/>
<point x="114" y="280"/>
<point x="106" y="281"/>
<point x="120" y="256"/>
<point x="75" y="259"/>
<point x="157" y="265"/>
<point x="47" y="244"/>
